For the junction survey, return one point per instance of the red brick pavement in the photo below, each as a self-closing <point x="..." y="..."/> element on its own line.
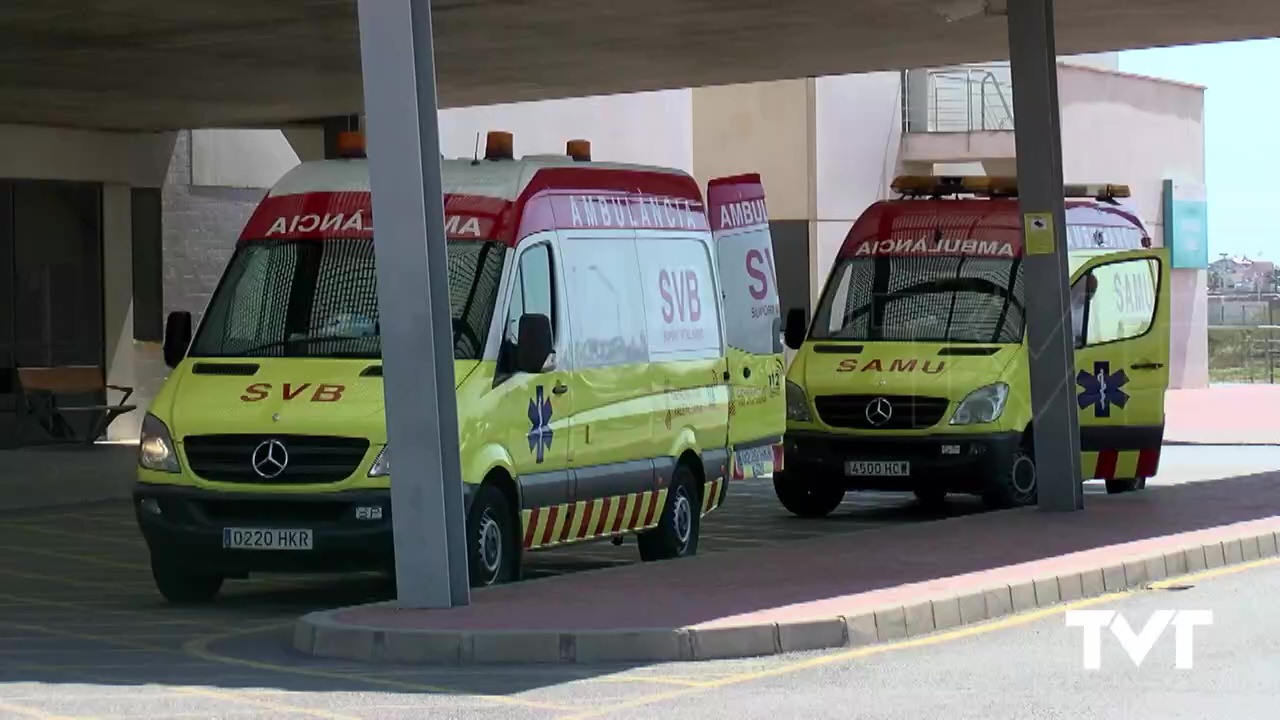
<point x="845" y="574"/>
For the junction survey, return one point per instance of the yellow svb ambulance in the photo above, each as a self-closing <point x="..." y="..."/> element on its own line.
<point x="618" y="359"/>
<point x="913" y="374"/>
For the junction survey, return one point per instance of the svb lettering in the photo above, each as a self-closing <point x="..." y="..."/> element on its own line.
<point x="761" y="269"/>
<point x="680" y="300"/>
<point x="324" y="392"/>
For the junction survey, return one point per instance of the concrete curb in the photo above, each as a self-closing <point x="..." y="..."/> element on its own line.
<point x="319" y="634"/>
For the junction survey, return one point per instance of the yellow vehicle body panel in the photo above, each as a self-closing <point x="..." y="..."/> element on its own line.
<point x="296" y="396"/>
<point x="900" y="368"/>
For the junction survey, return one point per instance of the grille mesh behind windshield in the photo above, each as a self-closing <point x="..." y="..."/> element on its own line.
<point x="961" y="315"/>
<point x="258" y="309"/>
<point x="471" y="292"/>
<point x="346" y="299"/>
<point x="941" y="298"/>
<point x="319" y="299"/>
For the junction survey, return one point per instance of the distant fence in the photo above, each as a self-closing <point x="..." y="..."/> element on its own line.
<point x="1243" y="311"/>
<point x="1244" y="354"/>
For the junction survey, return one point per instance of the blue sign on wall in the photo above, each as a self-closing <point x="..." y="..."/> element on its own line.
<point x="1186" y="224"/>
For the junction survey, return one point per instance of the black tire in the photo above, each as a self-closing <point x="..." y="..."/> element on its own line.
<point x="180" y="585"/>
<point x="1015" y="484"/>
<point x="493" y="539"/>
<point x="932" y="498"/>
<point x="805" y="498"/>
<point x="678" y="527"/>
<point x="1117" y="486"/>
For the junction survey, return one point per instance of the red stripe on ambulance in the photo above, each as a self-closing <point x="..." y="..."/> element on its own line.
<point x="1148" y="462"/>
<point x="1107" y="460"/>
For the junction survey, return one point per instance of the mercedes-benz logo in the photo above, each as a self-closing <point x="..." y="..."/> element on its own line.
<point x="270" y="458"/>
<point x="879" y="411"/>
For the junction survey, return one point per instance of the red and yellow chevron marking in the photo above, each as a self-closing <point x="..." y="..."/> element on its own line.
<point x="712" y="495"/>
<point x="588" y="519"/>
<point x="1110" y="464"/>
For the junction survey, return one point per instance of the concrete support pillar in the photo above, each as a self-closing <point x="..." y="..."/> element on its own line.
<point x="413" y="302"/>
<point x="1040" y="196"/>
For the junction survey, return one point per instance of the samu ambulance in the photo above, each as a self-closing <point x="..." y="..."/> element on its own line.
<point x="913" y="374"/>
<point x="618" y="359"/>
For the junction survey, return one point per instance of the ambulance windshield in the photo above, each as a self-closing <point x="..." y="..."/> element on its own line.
<point x="926" y="299"/>
<point x="318" y="298"/>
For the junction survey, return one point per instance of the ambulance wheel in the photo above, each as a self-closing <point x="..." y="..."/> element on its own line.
<point x="677" y="532"/>
<point x="493" y="543"/>
<point x="181" y="585"/>
<point x="805" y="498"/>
<point x="1124" y="485"/>
<point x="1015" y="485"/>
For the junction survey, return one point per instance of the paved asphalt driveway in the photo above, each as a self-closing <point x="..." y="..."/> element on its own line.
<point x="84" y="635"/>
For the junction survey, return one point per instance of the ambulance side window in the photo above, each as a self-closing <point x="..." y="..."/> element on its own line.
<point x="1122" y="304"/>
<point x="531" y="293"/>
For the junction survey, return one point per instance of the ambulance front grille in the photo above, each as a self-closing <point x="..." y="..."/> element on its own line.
<point x="306" y="459"/>
<point x="867" y="412"/>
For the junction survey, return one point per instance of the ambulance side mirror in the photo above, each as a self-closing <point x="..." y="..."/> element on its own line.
<point x="796" y="327"/>
<point x="177" y="337"/>
<point x="534" y="343"/>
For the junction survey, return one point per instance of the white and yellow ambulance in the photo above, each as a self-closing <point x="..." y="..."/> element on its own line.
<point x="618" y="360"/>
<point x="913" y="374"/>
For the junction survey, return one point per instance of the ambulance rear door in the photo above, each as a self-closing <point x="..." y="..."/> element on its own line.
<point x="753" y="323"/>
<point x="1122" y="362"/>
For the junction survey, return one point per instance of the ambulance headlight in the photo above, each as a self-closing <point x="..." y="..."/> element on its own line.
<point x="983" y="405"/>
<point x="797" y="403"/>
<point x="155" y="446"/>
<point x="381" y="466"/>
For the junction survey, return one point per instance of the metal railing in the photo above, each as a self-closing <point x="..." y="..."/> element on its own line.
<point x="958" y="99"/>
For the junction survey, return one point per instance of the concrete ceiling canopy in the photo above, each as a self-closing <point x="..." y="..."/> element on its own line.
<point x="165" y="64"/>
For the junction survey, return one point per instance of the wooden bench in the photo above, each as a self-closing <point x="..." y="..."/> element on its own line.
<point x="42" y="387"/>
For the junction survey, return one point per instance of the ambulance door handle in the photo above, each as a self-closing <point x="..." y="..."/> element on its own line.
<point x="1147" y="366"/>
<point x="560" y="388"/>
<point x="727" y="376"/>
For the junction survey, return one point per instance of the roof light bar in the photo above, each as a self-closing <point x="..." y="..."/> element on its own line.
<point x="943" y="185"/>
<point x="499" y="145"/>
<point x="579" y="150"/>
<point x="350" y="144"/>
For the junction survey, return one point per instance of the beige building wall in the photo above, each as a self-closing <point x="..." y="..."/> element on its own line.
<point x="767" y="128"/>
<point x="759" y="127"/>
<point x="652" y="128"/>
